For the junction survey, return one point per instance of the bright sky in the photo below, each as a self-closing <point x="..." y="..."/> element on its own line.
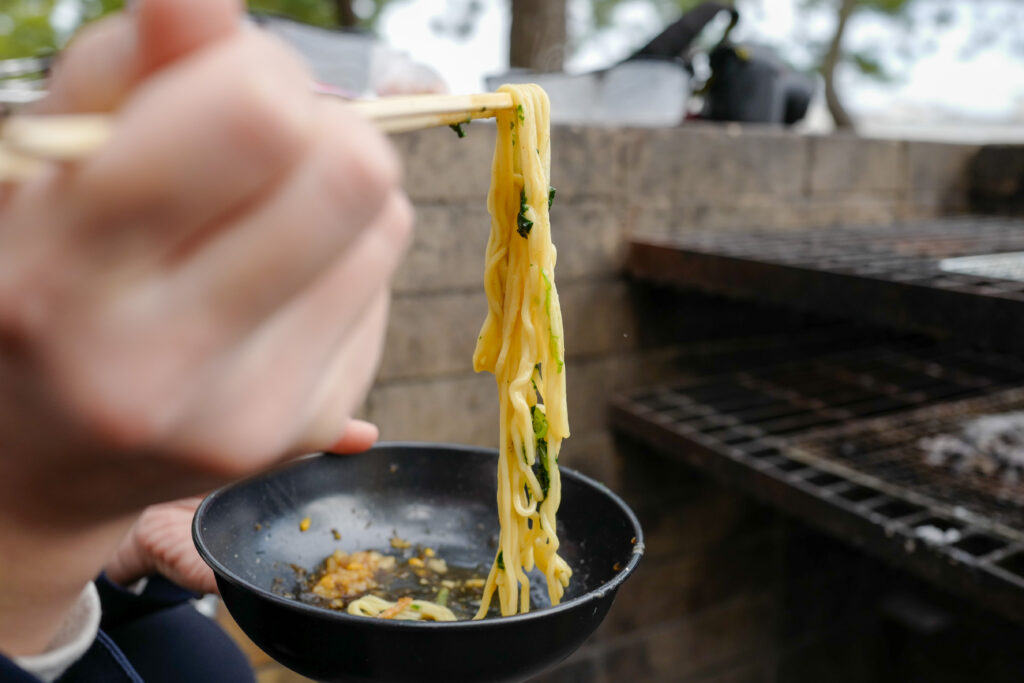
<point x="942" y="83"/>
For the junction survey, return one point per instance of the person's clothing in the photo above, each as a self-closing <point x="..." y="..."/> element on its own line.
<point x="154" y="637"/>
<point x="75" y="637"/>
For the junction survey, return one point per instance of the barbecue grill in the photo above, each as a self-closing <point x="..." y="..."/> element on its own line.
<point x="956" y="277"/>
<point x="845" y="438"/>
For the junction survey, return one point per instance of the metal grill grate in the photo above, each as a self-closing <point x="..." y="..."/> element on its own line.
<point x="896" y="275"/>
<point x="833" y="439"/>
<point x="889" y="452"/>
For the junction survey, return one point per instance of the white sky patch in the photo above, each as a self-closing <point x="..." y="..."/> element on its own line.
<point x="66" y="16"/>
<point x="987" y="85"/>
<point x="463" y="63"/>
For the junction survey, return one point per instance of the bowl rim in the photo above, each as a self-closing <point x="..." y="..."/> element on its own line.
<point x="599" y="593"/>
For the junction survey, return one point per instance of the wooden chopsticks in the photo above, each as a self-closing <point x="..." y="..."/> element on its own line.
<point x="27" y="142"/>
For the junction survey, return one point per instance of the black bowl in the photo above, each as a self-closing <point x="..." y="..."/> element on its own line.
<point x="442" y="496"/>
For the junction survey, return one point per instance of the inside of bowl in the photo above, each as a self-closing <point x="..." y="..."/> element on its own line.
<point x="439" y="497"/>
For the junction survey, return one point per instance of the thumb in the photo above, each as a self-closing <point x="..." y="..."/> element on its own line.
<point x="109" y="58"/>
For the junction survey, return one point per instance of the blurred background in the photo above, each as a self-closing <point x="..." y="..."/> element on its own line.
<point x="936" y="69"/>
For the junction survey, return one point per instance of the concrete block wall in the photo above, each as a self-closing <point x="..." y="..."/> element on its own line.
<point x="712" y="601"/>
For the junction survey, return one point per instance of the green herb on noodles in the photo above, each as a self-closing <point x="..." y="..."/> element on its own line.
<point x="523" y="224"/>
<point x="553" y="338"/>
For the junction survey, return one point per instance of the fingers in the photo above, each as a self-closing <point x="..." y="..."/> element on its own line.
<point x="197" y="143"/>
<point x="96" y="71"/>
<point x="333" y="330"/>
<point x="357" y="436"/>
<point x="163" y="538"/>
<point x="109" y="58"/>
<point x="128" y="564"/>
<point x="343" y="199"/>
<point x="344" y="382"/>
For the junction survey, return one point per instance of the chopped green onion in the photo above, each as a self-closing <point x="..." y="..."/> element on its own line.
<point x="540" y="423"/>
<point x="523" y="223"/>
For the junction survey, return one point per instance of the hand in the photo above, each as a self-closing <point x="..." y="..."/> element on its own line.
<point x="208" y="294"/>
<point x="203" y="297"/>
<point x="160" y="540"/>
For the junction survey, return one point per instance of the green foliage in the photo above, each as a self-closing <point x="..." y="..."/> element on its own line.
<point x="869" y="66"/>
<point x="867" y="61"/>
<point x="27" y="29"/>
<point x="885" y="6"/>
<point x="316" y="12"/>
<point x="891" y="7"/>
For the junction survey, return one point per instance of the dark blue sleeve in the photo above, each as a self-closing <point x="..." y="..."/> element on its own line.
<point x="155" y="637"/>
<point x="121" y="606"/>
<point x="9" y="673"/>
<point x="165" y="639"/>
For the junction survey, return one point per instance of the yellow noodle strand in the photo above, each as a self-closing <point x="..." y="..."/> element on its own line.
<point x="418" y="610"/>
<point x="523" y="332"/>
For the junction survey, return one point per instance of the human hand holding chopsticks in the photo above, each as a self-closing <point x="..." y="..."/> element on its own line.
<point x="204" y="296"/>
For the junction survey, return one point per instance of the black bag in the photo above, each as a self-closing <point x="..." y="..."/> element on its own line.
<point x="748" y="83"/>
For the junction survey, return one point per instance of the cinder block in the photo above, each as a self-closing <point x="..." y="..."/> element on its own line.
<point x="432" y="334"/>
<point x="716" y="165"/>
<point x="847" y="165"/>
<point x="849" y="211"/>
<point x="598" y="318"/>
<point x="593" y="454"/>
<point x="940" y="174"/>
<point x="653" y="170"/>
<point x="450" y="242"/>
<point x="589" y="237"/>
<point x="439" y="167"/>
<point x="589" y="162"/>
<point x="464" y="408"/>
<point x="448" y="248"/>
<point x="461" y="409"/>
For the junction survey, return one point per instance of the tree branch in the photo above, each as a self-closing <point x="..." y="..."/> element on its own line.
<point x="346" y="15"/>
<point x="538" y="35"/>
<point x="829" y="63"/>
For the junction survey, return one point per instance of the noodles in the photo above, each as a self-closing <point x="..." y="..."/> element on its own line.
<point x="368" y="583"/>
<point x="521" y="343"/>
<point x="405" y="609"/>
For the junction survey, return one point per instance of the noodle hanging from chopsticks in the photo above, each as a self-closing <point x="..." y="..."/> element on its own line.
<point x="521" y="343"/>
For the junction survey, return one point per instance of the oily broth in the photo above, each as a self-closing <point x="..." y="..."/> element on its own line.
<point x="412" y="575"/>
